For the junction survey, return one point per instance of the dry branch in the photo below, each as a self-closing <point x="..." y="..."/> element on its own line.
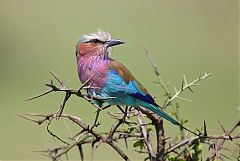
<point x="85" y="127"/>
<point x="133" y="119"/>
<point x="185" y="85"/>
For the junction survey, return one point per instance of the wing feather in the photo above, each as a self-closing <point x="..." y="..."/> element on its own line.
<point x="125" y="74"/>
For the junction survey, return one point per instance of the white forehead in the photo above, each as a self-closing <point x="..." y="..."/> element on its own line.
<point x="100" y="35"/>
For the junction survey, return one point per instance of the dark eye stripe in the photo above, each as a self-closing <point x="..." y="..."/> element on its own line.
<point x="96" y="41"/>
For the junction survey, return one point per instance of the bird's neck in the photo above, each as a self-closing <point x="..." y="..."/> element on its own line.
<point x="93" y="58"/>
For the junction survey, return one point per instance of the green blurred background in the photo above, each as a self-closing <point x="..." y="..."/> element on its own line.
<point x="183" y="37"/>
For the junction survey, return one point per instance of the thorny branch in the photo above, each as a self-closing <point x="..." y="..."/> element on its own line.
<point x="146" y="136"/>
<point x="130" y="125"/>
<point x="69" y="93"/>
<point x="85" y="128"/>
<point x="185" y="85"/>
<point x="88" y="136"/>
<point x="157" y="73"/>
<point x="188" y="142"/>
<point x="218" y="140"/>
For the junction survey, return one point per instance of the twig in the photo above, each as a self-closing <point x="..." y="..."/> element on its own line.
<point x="84" y="126"/>
<point x="136" y="130"/>
<point x="220" y="142"/>
<point x="69" y="93"/>
<point x="52" y="134"/>
<point x="223" y="137"/>
<point x="157" y="73"/>
<point x="120" y="122"/>
<point x="146" y="137"/>
<point x="185" y="85"/>
<point x="158" y="124"/>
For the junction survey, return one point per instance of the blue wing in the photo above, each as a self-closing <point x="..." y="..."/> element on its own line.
<point x="121" y="84"/>
<point x="126" y="90"/>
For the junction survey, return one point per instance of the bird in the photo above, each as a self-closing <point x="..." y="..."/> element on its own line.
<point x="109" y="78"/>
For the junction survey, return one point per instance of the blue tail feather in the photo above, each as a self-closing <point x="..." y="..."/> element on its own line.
<point x="160" y="113"/>
<point x="164" y="115"/>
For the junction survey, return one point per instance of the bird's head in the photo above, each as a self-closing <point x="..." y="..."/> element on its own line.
<point x="98" y="43"/>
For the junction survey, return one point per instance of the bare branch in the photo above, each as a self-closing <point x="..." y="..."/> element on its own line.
<point x="120" y="122"/>
<point x="85" y="127"/>
<point x="146" y="137"/>
<point x="133" y="119"/>
<point x="52" y="134"/>
<point x="157" y="73"/>
<point x="69" y="93"/>
<point x="185" y="85"/>
<point x="189" y="142"/>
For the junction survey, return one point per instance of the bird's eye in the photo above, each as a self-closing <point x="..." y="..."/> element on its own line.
<point x="95" y="41"/>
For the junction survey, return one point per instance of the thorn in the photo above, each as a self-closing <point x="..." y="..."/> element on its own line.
<point x="238" y="124"/>
<point x="40" y="95"/>
<point x="182" y="85"/>
<point x="60" y="111"/>
<point x="184" y="79"/>
<point x="183" y="99"/>
<point x="204" y="129"/>
<point x="28" y="118"/>
<point x="190" y="89"/>
<point x="61" y="82"/>
<point x="154" y="66"/>
<point x="35" y="114"/>
<point x="81" y="152"/>
<point x="126" y="143"/>
<point x="195" y="84"/>
<point x="165" y="139"/>
<point x="86" y="82"/>
<point x="41" y="151"/>
<point x="181" y="126"/>
<point x="223" y="129"/>
<point x="175" y="89"/>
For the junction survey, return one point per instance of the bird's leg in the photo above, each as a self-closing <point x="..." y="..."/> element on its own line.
<point x="120" y="108"/>
<point x="105" y="107"/>
<point x="126" y="112"/>
<point x="120" y="122"/>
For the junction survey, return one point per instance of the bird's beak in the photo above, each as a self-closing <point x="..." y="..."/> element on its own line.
<point x="114" y="42"/>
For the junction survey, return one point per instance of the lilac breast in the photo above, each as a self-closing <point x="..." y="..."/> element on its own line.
<point x="93" y="66"/>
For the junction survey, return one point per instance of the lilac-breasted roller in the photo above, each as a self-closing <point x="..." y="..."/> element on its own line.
<point x="110" y="78"/>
